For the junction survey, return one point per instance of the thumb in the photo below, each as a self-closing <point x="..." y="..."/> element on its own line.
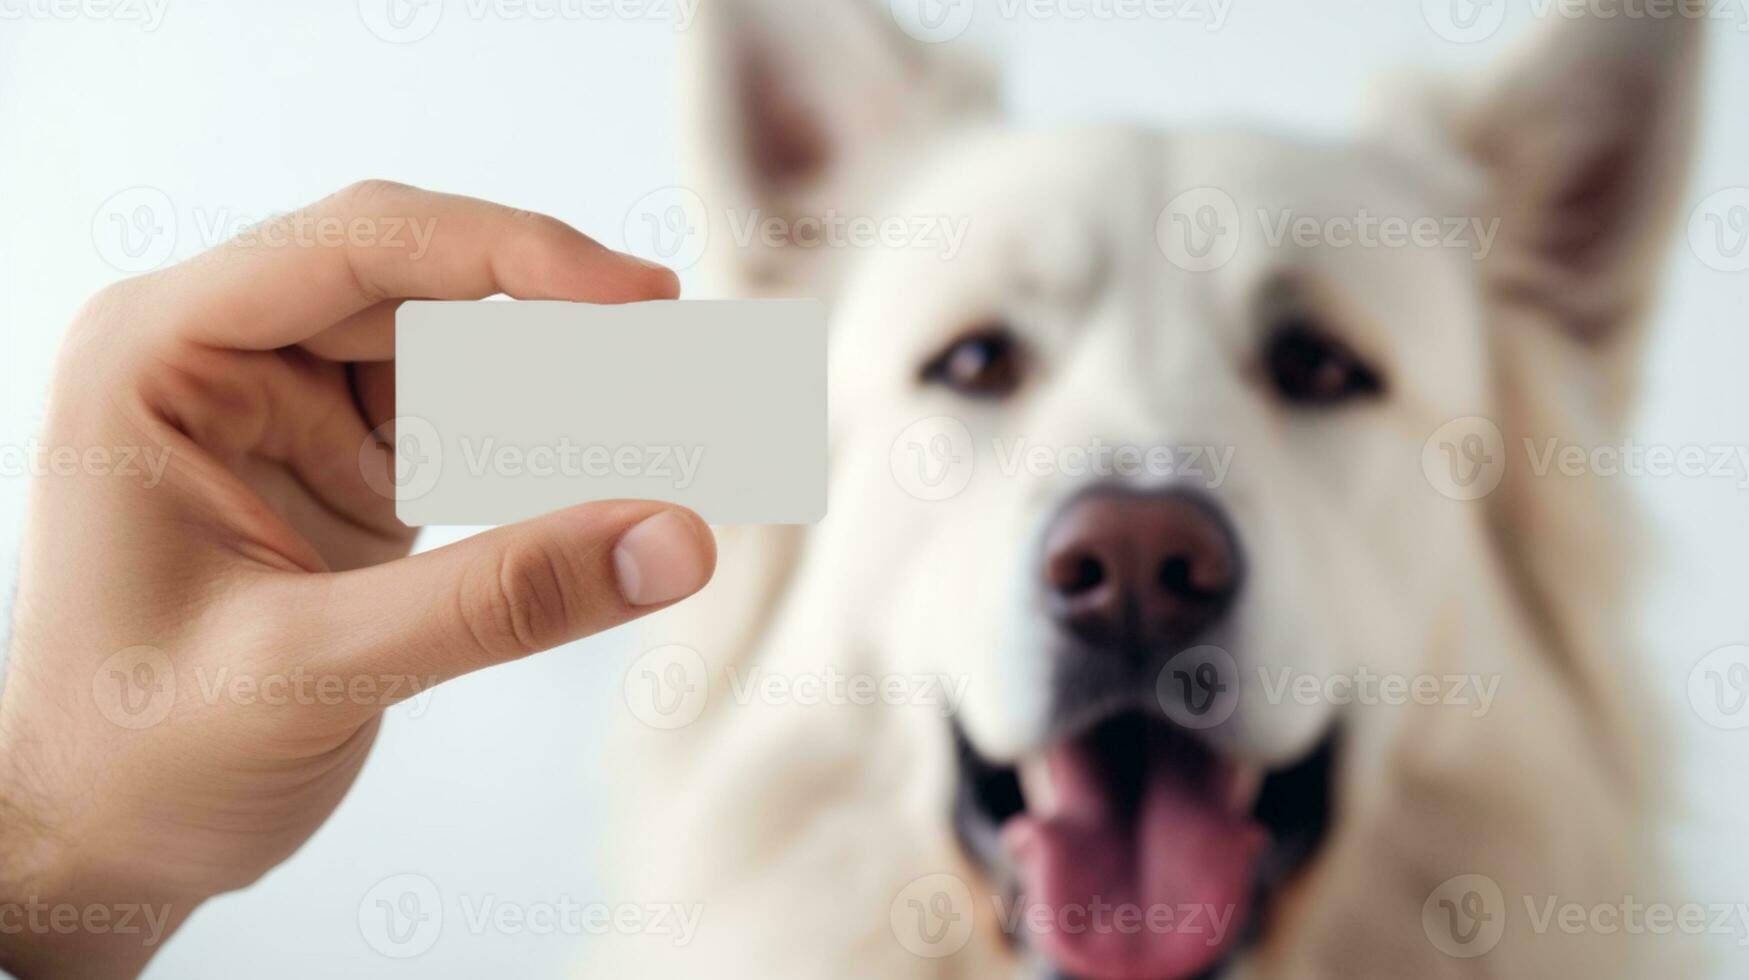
<point x="517" y="590"/>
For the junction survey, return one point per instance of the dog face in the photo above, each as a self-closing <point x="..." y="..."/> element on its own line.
<point x="1259" y="421"/>
<point x="1273" y="412"/>
<point x="1273" y="426"/>
<point x="1144" y="441"/>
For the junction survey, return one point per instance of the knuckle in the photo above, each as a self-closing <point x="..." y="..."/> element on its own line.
<point x="541" y="237"/>
<point x="533" y="219"/>
<point x="112" y="315"/>
<point x="364" y="195"/>
<point x="535" y="224"/>
<point x="109" y="304"/>
<point x="520" y="603"/>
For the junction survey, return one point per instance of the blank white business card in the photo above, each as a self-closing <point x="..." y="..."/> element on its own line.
<point x="510" y="410"/>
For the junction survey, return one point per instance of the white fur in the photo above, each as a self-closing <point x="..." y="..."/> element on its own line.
<point x="796" y="826"/>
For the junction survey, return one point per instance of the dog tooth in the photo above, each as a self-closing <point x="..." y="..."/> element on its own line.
<point x="1242" y="792"/>
<point x="1037" y="786"/>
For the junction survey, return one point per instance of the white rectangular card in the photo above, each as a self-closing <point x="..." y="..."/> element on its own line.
<point x="509" y="410"/>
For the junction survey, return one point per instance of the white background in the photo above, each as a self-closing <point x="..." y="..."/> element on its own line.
<point x="240" y="109"/>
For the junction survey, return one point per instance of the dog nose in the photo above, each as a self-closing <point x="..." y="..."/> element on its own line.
<point x="1126" y="570"/>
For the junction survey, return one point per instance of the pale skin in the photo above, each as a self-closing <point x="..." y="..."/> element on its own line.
<point x="267" y="551"/>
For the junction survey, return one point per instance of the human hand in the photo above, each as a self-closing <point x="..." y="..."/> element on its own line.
<point x="215" y="606"/>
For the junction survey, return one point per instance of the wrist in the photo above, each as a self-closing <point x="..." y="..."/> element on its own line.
<point x="63" y="913"/>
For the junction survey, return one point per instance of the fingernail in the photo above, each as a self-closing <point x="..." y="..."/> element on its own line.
<point x="660" y="560"/>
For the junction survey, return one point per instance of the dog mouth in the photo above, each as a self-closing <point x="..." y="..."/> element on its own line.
<point x="1130" y="850"/>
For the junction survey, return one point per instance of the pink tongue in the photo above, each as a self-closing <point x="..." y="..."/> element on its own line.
<point x="1158" y="894"/>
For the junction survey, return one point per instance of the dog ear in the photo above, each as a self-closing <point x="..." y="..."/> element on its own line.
<point x="1585" y="139"/>
<point x="795" y="108"/>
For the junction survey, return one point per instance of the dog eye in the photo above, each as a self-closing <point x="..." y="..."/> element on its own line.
<point x="1310" y="368"/>
<point x="983" y="364"/>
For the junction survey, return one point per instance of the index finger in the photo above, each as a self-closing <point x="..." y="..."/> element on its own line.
<point x="291" y="279"/>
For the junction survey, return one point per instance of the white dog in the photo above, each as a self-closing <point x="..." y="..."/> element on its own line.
<point x="1190" y="604"/>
